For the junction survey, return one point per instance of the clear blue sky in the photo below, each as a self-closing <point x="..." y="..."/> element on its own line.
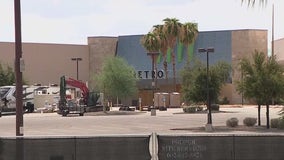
<point x="72" y="21"/>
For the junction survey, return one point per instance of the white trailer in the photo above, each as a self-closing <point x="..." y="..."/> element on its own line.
<point x="8" y="99"/>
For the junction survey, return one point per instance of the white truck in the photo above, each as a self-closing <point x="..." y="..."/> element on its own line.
<point x="8" y="99"/>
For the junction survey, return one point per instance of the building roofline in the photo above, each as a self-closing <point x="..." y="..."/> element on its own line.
<point x="102" y="37"/>
<point x="38" y="43"/>
<point x="280" y="39"/>
<point x="226" y="30"/>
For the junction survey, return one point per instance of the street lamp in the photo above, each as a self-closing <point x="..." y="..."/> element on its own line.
<point x="154" y="71"/>
<point x="207" y="50"/>
<point x="77" y="61"/>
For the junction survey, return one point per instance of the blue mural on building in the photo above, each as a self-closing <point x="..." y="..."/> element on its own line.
<point x="130" y="48"/>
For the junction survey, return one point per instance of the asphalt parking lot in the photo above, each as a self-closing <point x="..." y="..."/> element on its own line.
<point x="172" y="121"/>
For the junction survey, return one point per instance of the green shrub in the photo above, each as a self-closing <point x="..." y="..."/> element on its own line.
<point x="249" y="121"/>
<point x="215" y="107"/>
<point x="232" y="122"/>
<point x="274" y="122"/>
<point x="281" y="123"/>
<point x="189" y="109"/>
<point x="192" y="108"/>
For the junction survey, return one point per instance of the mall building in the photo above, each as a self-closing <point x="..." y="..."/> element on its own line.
<point x="279" y="50"/>
<point x="45" y="63"/>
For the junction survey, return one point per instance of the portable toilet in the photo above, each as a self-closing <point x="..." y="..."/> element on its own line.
<point x="161" y="99"/>
<point x="156" y="99"/>
<point x="175" y="99"/>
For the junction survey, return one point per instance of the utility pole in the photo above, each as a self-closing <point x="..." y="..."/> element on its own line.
<point x="272" y="36"/>
<point x="19" y="83"/>
<point x="18" y="70"/>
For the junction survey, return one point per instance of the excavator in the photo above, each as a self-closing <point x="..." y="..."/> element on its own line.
<point x="88" y="99"/>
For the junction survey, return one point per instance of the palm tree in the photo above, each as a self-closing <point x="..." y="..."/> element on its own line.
<point x="151" y="42"/>
<point x="158" y="30"/>
<point x="164" y="37"/>
<point x="172" y="28"/>
<point x="188" y="34"/>
<point x="252" y="2"/>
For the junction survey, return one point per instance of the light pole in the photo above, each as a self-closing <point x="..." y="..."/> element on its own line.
<point x="207" y="50"/>
<point x="77" y="62"/>
<point x="154" y="70"/>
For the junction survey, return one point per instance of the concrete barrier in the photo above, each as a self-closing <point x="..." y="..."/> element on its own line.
<point x="259" y="147"/>
<point x="128" y="147"/>
<point x="38" y="148"/>
<point x="195" y="147"/>
<point x="113" y="148"/>
<point x="76" y="148"/>
<point x="218" y="147"/>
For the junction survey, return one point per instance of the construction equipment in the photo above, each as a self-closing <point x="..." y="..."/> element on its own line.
<point x="88" y="99"/>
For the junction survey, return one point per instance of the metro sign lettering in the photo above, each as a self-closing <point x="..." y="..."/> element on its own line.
<point x="150" y="74"/>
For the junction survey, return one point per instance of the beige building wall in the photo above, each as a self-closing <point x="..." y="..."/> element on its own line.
<point x="279" y="50"/>
<point x="46" y="63"/>
<point x="99" y="49"/>
<point x="244" y="43"/>
<point x="226" y="91"/>
<point x="7" y="54"/>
